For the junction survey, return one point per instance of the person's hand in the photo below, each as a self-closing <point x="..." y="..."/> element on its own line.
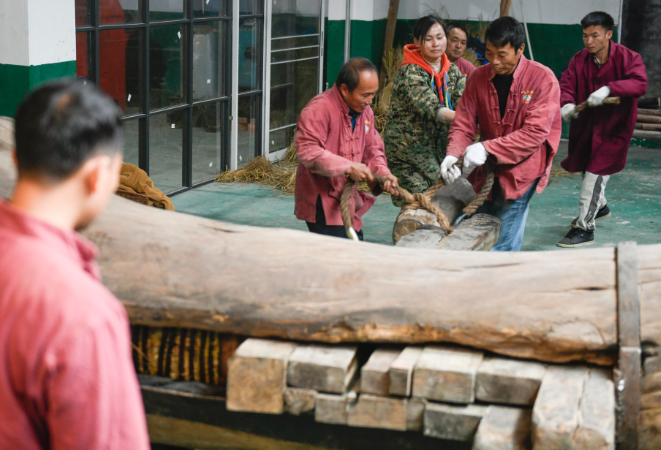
<point x="598" y="96"/>
<point x="475" y="156"/>
<point x="450" y="172"/>
<point x="390" y="186"/>
<point x="445" y="115"/>
<point x="567" y="112"/>
<point x="360" y="172"/>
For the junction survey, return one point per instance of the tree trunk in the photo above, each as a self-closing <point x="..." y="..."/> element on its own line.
<point x="505" y="6"/>
<point x="391" y="24"/>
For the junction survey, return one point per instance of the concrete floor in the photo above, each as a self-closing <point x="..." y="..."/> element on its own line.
<point x="633" y="197"/>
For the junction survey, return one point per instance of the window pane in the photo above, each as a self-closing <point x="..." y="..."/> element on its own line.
<point x="248" y="125"/>
<point x="165" y="150"/>
<point x="251" y="7"/>
<point x="208" y="139"/>
<point x="119" y="67"/>
<point x="132" y="141"/>
<point x="83" y="63"/>
<point x="295" y="18"/>
<point x="290" y="55"/>
<point x="82" y="13"/>
<point x="210" y="8"/>
<point x="124" y="11"/>
<point x="293" y="42"/>
<point x="165" y="65"/>
<point x="160" y="10"/>
<point x="250" y="54"/>
<point x="210" y="52"/>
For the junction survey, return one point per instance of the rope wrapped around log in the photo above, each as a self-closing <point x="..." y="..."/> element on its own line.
<point x="421" y="200"/>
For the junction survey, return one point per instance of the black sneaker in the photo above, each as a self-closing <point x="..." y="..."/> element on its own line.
<point x="577" y="238"/>
<point x="603" y="213"/>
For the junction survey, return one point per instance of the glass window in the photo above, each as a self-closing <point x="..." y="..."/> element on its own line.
<point x="166" y="65"/>
<point x="83" y="55"/>
<point x="295" y="18"/>
<point x="161" y="10"/>
<point x="248" y="128"/>
<point x="296" y="53"/>
<point x="208" y="139"/>
<point x="247" y="7"/>
<point x="119" y="67"/>
<point x="250" y="52"/>
<point x="132" y="141"/>
<point x="166" y="150"/>
<point x="210" y="8"/>
<point x="116" y="11"/>
<point x="83" y="10"/>
<point x="210" y="48"/>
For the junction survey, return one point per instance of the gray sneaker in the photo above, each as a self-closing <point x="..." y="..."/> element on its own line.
<point x="603" y="213"/>
<point x="577" y="238"/>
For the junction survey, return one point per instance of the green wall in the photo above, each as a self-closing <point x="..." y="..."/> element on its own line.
<point x="17" y="81"/>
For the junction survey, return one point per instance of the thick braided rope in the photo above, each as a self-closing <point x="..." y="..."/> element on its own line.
<point x="607" y="101"/>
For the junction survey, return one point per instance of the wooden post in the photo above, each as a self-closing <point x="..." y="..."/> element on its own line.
<point x="505" y="6"/>
<point x="391" y="24"/>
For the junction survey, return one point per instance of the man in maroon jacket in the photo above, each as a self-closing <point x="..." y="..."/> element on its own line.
<point x="599" y="136"/>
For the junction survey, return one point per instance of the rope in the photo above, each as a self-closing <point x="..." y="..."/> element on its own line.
<point x="607" y="101"/>
<point x="418" y="200"/>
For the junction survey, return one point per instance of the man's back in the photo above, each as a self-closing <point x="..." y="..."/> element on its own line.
<point x="66" y="375"/>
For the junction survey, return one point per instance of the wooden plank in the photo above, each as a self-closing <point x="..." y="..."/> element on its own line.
<point x="503" y="428"/>
<point x="374" y="377"/>
<point x="372" y="411"/>
<point x="648" y="118"/>
<point x="401" y="371"/>
<point x="596" y="428"/>
<point x="556" y="411"/>
<point x="322" y="367"/>
<point x="508" y="381"/>
<point x="477" y="233"/>
<point x="257" y="376"/>
<point x="415" y="413"/>
<point x="649" y="135"/>
<point x="298" y="401"/>
<point x="334" y="409"/>
<point x="652" y="364"/>
<point x="650" y="424"/>
<point x="446" y="374"/>
<point x="457" y="423"/>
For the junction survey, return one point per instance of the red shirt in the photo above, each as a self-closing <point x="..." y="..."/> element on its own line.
<point x="326" y="148"/>
<point x="599" y="138"/>
<point x="66" y="374"/>
<point x="465" y="67"/>
<point x="523" y="144"/>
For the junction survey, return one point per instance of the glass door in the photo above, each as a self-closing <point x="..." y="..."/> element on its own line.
<point x="295" y="65"/>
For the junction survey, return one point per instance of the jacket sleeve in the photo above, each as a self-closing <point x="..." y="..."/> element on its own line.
<point x="464" y="128"/>
<point x="568" y="86"/>
<point x="459" y="80"/>
<point x="414" y="86"/>
<point x="517" y="146"/>
<point x="311" y="139"/>
<point x="634" y="82"/>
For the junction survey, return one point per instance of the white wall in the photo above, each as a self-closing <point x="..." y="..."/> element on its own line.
<point x="13" y="36"/>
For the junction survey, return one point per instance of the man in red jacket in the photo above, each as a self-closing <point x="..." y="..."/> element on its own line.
<point x="516" y="103"/>
<point x="599" y="136"/>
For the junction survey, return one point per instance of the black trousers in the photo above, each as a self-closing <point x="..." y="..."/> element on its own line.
<point x="320" y="226"/>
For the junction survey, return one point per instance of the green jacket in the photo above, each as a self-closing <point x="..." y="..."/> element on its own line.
<point x="415" y="141"/>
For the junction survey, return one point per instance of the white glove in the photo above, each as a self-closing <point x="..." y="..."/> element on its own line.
<point x="450" y="172"/>
<point x="440" y="114"/>
<point x="475" y="155"/>
<point x="567" y="112"/>
<point x="598" y="96"/>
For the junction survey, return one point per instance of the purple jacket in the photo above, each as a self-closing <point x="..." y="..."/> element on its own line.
<point x="599" y="138"/>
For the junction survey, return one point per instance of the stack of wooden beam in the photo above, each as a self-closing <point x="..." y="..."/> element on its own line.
<point x="648" y="124"/>
<point x="444" y="392"/>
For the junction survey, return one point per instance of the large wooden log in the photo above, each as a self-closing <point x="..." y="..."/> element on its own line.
<point x="172" y="269"/>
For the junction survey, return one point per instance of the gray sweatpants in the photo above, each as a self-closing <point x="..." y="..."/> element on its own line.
<point x="593" y="198"/>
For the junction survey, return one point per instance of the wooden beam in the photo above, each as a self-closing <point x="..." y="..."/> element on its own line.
<point x="372" y="411"/>
<point x="298" y="401"/>
<point x="374" y="377"/>
<point x="505" y="6"/>
<point x="457" y="423"/>
<point x="391" y="24"/>
<point x="257" y="376"/>
<point x="415" y="412"/>
<point x="322" y="367"/>
<point x="509" y="381"/>
<point x="446" y="374"/>
<point x="401" y="371"/>
<point x="477" y="233"/>
<point x="334" y="409"/>
<point x="503" y="428"/>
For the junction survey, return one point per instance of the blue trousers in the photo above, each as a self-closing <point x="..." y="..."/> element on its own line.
<point x="512" y="214"/>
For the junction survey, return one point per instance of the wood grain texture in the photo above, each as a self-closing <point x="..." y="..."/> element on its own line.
<point x="401" y="371"/>
<point x="374" y="377"/>
<point x="372" y="411"/>
<point x="503" y="428"/>
<point x="477" y="233"/>
<point x="457" y="423"/>
<point x="298" y="401"/>
<point x="508" y="381"/>
<point x="172" y="269"/>
<point x="322" y="367"/>
<point x="446" y="374"/>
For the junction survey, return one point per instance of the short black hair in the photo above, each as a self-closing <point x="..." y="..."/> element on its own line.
<point x="506" y="30"/>
<point x="350" y="72"/>
<point x="424" y="24"/>
<point x="62" y="124"/>
<point x="458" y="26"/>
<point x="598" y="18"/>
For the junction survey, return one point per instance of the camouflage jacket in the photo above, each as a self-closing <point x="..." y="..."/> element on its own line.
<point x="415" y="141"/>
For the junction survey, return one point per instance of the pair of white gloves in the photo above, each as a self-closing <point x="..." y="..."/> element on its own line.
<point x="475" y="156"/>
<point x="595" y="99"/>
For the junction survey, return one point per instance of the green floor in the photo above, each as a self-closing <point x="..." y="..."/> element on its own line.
<point x="633" y="197"/>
